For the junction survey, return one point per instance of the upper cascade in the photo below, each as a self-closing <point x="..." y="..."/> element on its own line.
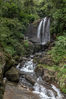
<point x="43" y="33"/>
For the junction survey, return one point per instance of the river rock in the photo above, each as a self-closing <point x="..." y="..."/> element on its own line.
<point x="48" y="76"/>
<point x="30" y="79"/>
<point x="18" y="92"/>
<point x="12" y="74"/>
<point x="39" y="71"/>
<point x="9" y="63"/>
<point x="47" y="60"/>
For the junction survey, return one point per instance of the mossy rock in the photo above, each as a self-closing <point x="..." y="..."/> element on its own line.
<point x="39" y="71"/>
<point x="12" y="74"/>
<point x="16" y="58"/>
<point x="9" y="63"/>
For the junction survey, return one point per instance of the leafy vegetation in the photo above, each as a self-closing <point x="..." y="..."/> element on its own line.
<point x="57" y="58"/>
<point x="58" y="52"/>
<point x="56" y="10"/>
<point x="14" y="19"/>
<point x="16" y="15"/>
<point x="60" y="74"/>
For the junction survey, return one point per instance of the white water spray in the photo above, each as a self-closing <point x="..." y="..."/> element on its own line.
<point x="39" y="89"/>
<point x="46" y="93"/>
<point x="43" y="32"/>
<point x="28" y="66"/>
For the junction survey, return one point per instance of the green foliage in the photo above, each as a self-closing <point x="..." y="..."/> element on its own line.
<point x="18" y="9"/>
<point x="59" y="51"/>
<point x="56" y="10"/>
<point x="15" y="16"/>
<point x="26" y="44"/>
<point x="60" y="74"/>
<point x="10" y="50"/>
<point x="29" y="6"/>
<point x="9" y="8"/>
<point x="64" y="90"/>
<point x="11" y="36"/>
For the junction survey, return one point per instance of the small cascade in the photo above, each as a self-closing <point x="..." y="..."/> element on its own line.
<point x="45" y="93"/>
<point x="43" y="33"/>
<point x="38" y="87"/>
<point x="28" y="66"/>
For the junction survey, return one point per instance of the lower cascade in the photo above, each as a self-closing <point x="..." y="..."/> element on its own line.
<point x="38" y="88"/>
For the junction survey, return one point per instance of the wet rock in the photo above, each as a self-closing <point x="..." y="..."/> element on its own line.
<point x="30" y="79"/>
<point x="37" y="48"/>
<point x="44" y="58"/>
<point x="64" y="96"/>
<point x="9" y="63"/>
<point x="22" y="61"/>
<point x="47" y="60"/>
<point x="31" y="32"/>
<point x="25" y="83"/>
<point x="12" y="74"/>
<point x="47" y="75"/>
<point x="39" y="71"/>
<point x="17" y="92"/>
<point x="29" y="47"/>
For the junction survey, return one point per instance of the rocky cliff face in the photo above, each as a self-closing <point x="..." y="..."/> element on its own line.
<point x="39" y="31"/>
<point x="7" y="69"/>
<point x="31" y="33"/>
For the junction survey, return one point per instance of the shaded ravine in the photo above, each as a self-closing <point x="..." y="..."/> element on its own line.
<point x="29" y="79"/>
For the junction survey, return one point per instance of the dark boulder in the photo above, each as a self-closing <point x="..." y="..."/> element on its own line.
<point x="49" y="76"/>
<point x="12" y="74"/>
<point x="39" y="71"/>
<point x="8" y="64"/>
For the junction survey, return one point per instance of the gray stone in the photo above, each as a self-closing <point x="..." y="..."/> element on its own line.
<point x="12" y="74"/>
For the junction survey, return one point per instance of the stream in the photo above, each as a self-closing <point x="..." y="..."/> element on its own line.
<point x="29" y="79"/>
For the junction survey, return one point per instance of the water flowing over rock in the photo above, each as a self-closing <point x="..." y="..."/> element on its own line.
<point x="39" y="32"/>
<point x="39" y="87"/>
<point x="43" y="33"/>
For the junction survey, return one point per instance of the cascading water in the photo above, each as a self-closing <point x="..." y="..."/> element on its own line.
<point x="38" y="87"/>
<point x="43" y="33"/>
<point x="28" y="67"/>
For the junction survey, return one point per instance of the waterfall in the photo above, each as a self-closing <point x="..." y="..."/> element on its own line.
<point x="43" y="91"/>
<point x="43" y="32"/>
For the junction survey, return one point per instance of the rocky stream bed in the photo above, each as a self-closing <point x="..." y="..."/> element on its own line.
<point x="31" y="85"/>
<point x="33" y="82"/>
